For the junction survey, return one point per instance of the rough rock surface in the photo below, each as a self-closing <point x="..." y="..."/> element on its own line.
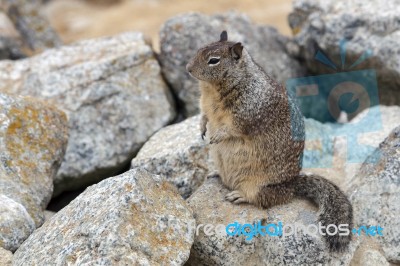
<point x="33" y="139"/>
<point x="33" y="27"/>
<point x="210" y="207"/>
<point x="367" y="25"/>
<point x="5" y="257"/>
<point x="183" y="35"/>
<point x="112" y="92"/>
<point x="177" y="153"/>
<point x="131" y="219"/>
<point x="375" y="194"/>
<point x="339" y="168"/>
<point x="10" y="44"/>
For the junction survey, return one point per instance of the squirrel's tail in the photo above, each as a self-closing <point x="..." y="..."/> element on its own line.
<point x="334" y="207"/>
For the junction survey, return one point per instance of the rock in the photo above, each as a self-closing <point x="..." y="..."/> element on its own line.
<point x="33" y="27"/>
<point x="15" y="222"/>
<point x="183" y="35"/>
<point x="5" y="257"/>
<point x="371" y="28"/>
<point x="375" y="194"/>
<point x="330" y="157"/>
<point x="113" y="93"/>
<point x="33" y="139"/>
<point x="373" y="258"/>
<point x="177" y="153"/>
<point x="10" y="44"/>
<point x="131" y="219"/>
<point x="10" y="48"/>
<point x="48" y="215"/>
<point x="210" y="207"/>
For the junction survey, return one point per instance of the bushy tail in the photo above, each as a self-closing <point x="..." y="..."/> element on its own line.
<point x="334" y="206"/>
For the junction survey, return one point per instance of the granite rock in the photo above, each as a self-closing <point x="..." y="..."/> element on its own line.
<point x="375" y="194"/>
<point x="113" y="94"/>
<point x="370" y="27"/>
<point x="131" y="219"/>
<point x="33" y="139"/>
<point x="177" y="153"/>
<point x="5" y="257"/>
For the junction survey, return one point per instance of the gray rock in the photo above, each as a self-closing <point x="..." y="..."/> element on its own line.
<point x="183" y="35"/>
<point x="375" y="194"/>
<point x="10" y="44"/>
<point x="368" y="26"/>
<point x="33" y="27"/>
<point x="131" y="219"/>
<point x="15" y="222"/>
<point x="113" y="93"/>
<point x="177" y="153"/>
<point x="373" y="258"/>
<point x="33" y="139"/>
<point x="5" y="257"/>
<point x="10" y="48"/>
<point x="210" y="207"/>
<point x="334" y="150"/>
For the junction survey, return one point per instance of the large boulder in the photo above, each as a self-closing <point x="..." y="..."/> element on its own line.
<point x="375" y="194"/>
<point x="113" y="93"/>
<point x="371" y="29"/>
<point x="177" y="153"/>
<point x="131" y="219"/>
<point x="213" y="247"/>
<point x="183" y="35"/>
<point x="33" y="139"/>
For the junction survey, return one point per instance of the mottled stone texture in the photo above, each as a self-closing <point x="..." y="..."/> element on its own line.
<point x="372" y="25"/>
<point x="33" y="139"/>
<point x="183" y="35"/>
<point x="131" y="219"/>
<point x="5" y="257"/>
<point x="177" y="153"/>
<point x="32" y="26"/>
<point x="375" y="194"/>
<point x="113" y="93"/>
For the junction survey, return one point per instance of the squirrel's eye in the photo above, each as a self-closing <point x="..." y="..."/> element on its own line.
<point x="213" y="61"/>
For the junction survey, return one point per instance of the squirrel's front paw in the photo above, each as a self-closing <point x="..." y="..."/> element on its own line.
<point x="235" y="197"/>
<point x="218" y="136"/>
<point x="215" y="139"/>
<point x="203" y="134"/>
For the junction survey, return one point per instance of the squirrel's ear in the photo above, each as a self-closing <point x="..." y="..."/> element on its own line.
<point x="223" y="37"/>
<point x="236" y="50"/>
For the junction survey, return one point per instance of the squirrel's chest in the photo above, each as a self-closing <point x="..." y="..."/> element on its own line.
<point x="215" y="111"/>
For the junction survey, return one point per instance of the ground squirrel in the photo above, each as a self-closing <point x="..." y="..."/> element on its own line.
<point x="256" y="134"/>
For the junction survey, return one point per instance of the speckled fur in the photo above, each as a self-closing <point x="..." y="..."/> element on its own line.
<point x="256" y="134"/>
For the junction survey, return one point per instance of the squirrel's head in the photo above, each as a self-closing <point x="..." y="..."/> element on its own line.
<point x="216" y="61"/>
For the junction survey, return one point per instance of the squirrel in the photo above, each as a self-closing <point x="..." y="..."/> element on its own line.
<point x="257" y="136"/>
